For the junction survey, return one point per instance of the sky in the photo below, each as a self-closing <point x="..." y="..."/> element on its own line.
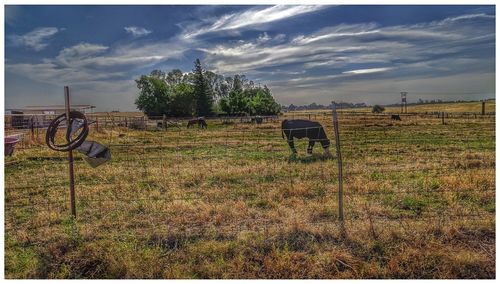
<point x="304" y="54"/>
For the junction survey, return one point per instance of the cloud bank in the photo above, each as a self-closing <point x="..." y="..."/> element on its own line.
<point x="357" y="62"/>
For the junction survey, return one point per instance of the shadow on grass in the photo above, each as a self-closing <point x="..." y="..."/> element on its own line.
<point x="53" y="158"/>
<point x="310" y="158"/>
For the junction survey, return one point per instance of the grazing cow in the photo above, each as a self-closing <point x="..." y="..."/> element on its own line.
<point x="395" y="117"/>
<point x="257" y="119"/>
<point x="300" y="128"/>
<point x="200" y="121"/>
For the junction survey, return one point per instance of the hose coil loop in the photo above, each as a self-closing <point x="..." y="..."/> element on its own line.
<point x="77" y="120"/>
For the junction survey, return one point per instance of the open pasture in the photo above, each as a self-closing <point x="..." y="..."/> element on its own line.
<point x="227" y="202"/>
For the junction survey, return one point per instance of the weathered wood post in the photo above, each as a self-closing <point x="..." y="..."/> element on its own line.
<point x="339" y="161"/>
<point x="483" y="108"/>
<point x="70" y="155"/>
<point x="32" y="126"/>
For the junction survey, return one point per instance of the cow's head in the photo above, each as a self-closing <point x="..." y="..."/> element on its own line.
<point x="327" y="152"/>
<point x="326" y="147"/>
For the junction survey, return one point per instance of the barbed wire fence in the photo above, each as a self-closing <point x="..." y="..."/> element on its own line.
<point x="236" y="176"/>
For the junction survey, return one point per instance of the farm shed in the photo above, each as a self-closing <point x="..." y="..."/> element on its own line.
<point x="52" y="109"/>
<point x="38" y="116"/>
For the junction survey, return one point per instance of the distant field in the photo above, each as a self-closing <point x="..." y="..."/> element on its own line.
<point x="227" y="202"/>
<point x="125" y="113"/>
<point x="446" y="107"/>
<point x="474" y="107"/>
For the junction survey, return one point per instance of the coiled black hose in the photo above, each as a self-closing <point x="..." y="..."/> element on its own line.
<point x="72" y="143"/>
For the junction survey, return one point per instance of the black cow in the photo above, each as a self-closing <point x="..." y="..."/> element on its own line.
<point x="299" y="128"/>
<point x="257" y="119"/>
<point x="200" y="121"/>
<point x="395" y="117"/>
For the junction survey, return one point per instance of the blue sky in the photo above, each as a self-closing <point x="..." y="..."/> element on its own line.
<point x="303" y="53"/>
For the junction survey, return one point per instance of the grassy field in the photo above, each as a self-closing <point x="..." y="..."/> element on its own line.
<point x="227" y="202"/>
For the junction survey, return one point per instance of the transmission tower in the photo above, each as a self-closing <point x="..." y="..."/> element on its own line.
<point x="403" y="102"/>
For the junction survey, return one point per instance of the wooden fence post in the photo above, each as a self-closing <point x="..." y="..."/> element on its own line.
<point x="32" y="126"/>
<point x="339" y="161"/>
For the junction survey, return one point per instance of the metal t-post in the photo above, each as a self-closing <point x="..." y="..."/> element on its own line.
<point x="70" y="155"/>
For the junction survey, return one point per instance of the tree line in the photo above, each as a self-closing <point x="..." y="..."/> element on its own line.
<point x="315" y="106"/>
<point x="202" y="93"/>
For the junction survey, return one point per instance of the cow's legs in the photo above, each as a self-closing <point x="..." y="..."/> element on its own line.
<point x="310" y="146"/>
<point x="292" y="146"/>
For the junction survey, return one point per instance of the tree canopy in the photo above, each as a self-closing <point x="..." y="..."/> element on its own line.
<point x="202" y="93"/>
<point x="378" y="109"/>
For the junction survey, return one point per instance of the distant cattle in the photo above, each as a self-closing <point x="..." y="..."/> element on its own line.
<point x="395" y="117"/>
<point x="300" y="128"/>
<point x="257" y="119"/>
<point x="200" y="121"/>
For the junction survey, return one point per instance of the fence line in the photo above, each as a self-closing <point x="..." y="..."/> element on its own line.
<point x="152" y="161"/>
<point x="225" y="198"/>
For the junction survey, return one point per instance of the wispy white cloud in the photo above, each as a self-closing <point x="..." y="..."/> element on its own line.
<point x="36" y="39"/>
<point x="467" y="17"/>
<point x="342" y="30"/>
<point x="86" y="62"/>
<point x="137" y="31"/>
<point x="364" y="48"/>
<point x="249" y="18"/>
<point x="79" y="52"/>
<point x="368" y="71"/>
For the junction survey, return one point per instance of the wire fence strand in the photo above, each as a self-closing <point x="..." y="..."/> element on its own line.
<point x="236" y="172"/>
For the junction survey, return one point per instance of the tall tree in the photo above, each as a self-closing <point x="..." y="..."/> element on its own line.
<point x="238" y="103"/>
<point x="158" y="74"/>
<point x="202" y="91"/>
<point x="216" y="83"/>
<point x="237" y="83"/>
<point x="182" y="100"/>
<point x="174" y="77"/>
<point x="263" y="103"/>
<point x="153" y="97"/>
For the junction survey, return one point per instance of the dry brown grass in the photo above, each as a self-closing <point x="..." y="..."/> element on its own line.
<point x="227" y="203"/>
